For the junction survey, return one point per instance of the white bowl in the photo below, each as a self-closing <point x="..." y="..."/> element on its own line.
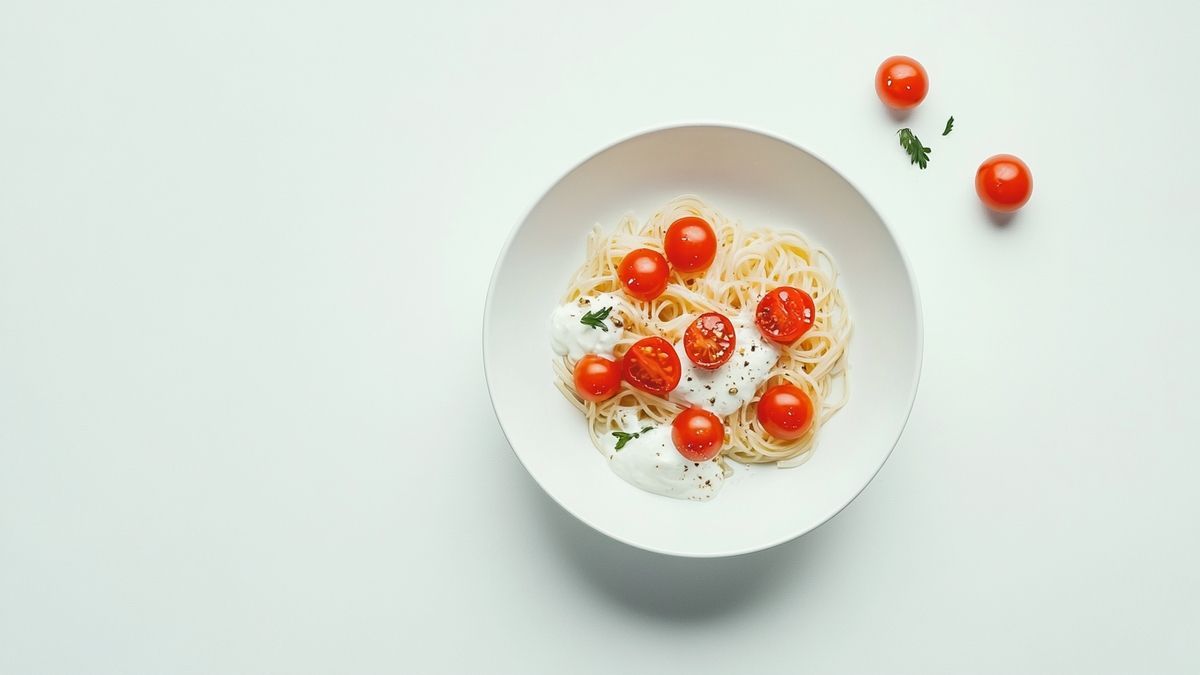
<point x="760" y="180"/>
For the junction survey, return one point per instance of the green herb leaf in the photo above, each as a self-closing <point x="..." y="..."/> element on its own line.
<point x="949" y="125"/>
<point x="623" y="437"/>
<point x="918" y="153"/>
<point x="596" y="319"/>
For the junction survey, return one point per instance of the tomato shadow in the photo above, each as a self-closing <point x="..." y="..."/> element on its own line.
<point x="898" y="116"/>
<point x="687" y="590"/>
<point x="998" y="219"/>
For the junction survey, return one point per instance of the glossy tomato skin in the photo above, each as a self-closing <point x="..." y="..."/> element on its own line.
<point x="644" y="273"/>
<point x="901" y="82"/>
<point x="652" y="365"/>
<point x="785" y="314"/>
<point x="597" y="378"/>
<point x="710" y="340"/>
<point x="691" y="244"/>
<point x="785" y="411"/>
<point x="1003" y="183"/>
<point x="697" y="434"/>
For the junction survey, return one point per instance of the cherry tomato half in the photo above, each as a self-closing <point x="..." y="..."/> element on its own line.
<point x="784" y="314"/>
<point x="690" y="244"/>
<point x="597" y="378"/>
<point x="710" y="340"/>
<point x="643" y="273"/>
<point x="652" y="365"/>
<point x="901" y="82"/>
<point x="785" y="411"/>
<point x="697" y="434"/>
<point x="1004" y="183"/>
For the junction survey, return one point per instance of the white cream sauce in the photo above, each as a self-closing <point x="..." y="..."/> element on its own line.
<point x="573" y="339"/>
<point x="652" y="463"/>
<point x="728" y="388"/>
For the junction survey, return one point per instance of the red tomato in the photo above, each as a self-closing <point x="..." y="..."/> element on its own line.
<point x="785" y="411"/>
<point x="690" y="244"/>
<point x="644" y="273"/>
<point x="1004" y="183"/>
<point x="709" y="341"/>
<point x="784" y="314"/>
<point x="698" y="434"/>
<point x="596" y="378"/>
<point x="901" y="82"/>
<point x="652" y="365"/>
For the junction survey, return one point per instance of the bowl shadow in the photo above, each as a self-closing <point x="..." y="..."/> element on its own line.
<point x="688" y="590"/>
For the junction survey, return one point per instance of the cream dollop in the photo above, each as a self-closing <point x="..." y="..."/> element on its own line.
<point x="571" y="338"/>
<point x="726" y="389"/>
<point x="652" y="463"/>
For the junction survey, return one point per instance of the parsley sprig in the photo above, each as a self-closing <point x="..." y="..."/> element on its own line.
<point x="917" y="152"/>
<point x="596" y="319"/>
<point x="623" y="437"/>
<point x="949" y="125"/>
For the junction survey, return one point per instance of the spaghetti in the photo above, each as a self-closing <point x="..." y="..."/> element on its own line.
<point x="748" y="264"/>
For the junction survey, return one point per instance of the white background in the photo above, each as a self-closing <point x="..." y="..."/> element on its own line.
<point x="244" y="248"/>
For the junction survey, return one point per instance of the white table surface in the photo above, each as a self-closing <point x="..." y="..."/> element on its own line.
<point x="244" y="248"/>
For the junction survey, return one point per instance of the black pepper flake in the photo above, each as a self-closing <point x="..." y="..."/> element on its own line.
<point x="689" y="378"/>
<point x="712" y="401"/>
<point x="696" y="463"/>
<point x="746" y="364"/>
<point x="708" y="386"/>
<point x="708" y="482"/>
<point x="753" y="347"/>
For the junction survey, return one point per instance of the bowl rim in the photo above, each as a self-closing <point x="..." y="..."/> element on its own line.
<point x="904" y="260"/>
